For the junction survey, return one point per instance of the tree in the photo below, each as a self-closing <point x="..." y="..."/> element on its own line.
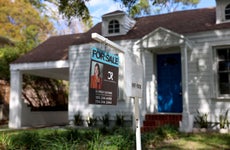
<point x="146" y="7"/>
<point x="172" y="5"/>
<point x="71" y="8"/>
<point x="21" y="21"/>
<point x="21" y="24"/>
<point x="22" y="27"/>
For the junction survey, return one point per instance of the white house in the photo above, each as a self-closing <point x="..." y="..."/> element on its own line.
<point x="184" y="57"/>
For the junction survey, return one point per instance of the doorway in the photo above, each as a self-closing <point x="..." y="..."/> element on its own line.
<point x="169" y="87"/>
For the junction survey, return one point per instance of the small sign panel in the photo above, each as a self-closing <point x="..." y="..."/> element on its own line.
<point x="103" y="82"/>
<point x="133" y="75"/>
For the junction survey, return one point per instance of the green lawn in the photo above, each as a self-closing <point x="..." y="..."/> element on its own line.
<point x="109" y="139"/>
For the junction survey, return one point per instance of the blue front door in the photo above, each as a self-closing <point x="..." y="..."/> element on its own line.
<point x="169" y="83"/>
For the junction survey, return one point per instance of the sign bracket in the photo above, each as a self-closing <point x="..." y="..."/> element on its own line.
<point x="102" y="39"/>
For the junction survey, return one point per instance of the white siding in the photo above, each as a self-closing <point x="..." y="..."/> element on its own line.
<point x="201" y="76"/>
<point x="79" y="61"/>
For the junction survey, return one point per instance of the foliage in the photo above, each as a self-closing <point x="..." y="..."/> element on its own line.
<point x="223" y="120"/>
<point x="7" y="55"/>
<point x="202" y="119"/>
<point x="91" y="121"/>
<point x="75" y="8"/>
<point x="140" y="9"/>
<point x="72" y="8"/>
<point x="20" y="21"/>
<point x="166" y="132"/>
<point x="78" y="119"/>
<point x="172" y="5"/>
<point x="26" y="140"/>
<point x="105" y="119"/>
<point x="146" y="7"/>
<point x="22" y="24"/>
<point x="120" y="120"/>
<point x="120" y="139"/>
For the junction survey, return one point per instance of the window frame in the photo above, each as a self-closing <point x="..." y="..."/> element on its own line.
<point x="217" y="82"/>
<point x="227" y="9"/>
<point x="113" y="27"/>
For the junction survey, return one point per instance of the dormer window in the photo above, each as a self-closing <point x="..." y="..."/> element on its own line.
<point x="114" y="27"/>
<point x="116" y="23"/>
<point x="227" y="12"/>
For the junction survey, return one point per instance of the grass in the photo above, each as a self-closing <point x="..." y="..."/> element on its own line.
<point x="197" y="141"/>
<point x="164" y="138"/>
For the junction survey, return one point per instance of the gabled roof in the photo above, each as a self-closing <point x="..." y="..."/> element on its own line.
<point x="181" y="22"/>
<point x="117" y="12"/>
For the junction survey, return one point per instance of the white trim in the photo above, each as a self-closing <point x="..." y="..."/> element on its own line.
<point x="157" y="30"/>
<point x="216" y="91"/>
<point x="40" y="65"/>
<point x="181" y="39"/>
<point x="209" y="34"/>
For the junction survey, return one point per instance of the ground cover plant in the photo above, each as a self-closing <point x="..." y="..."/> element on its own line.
<point x="166" y="137"/>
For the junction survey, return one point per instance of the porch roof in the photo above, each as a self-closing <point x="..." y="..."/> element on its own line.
<point x="181" y="22"/>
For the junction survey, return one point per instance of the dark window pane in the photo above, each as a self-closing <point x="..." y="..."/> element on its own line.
<point x="110" y="31"/>
<point x="222" y="54"/>
<point x="114" y="26"/>
<point x="224" y="66"/>
<point x="224" y="88"/>
<point x="227" y="12"/>
<point x="117" y="30"/>
<point x="224" y="77"/>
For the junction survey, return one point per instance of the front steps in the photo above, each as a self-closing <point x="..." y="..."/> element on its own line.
<point x="152" y="121"/>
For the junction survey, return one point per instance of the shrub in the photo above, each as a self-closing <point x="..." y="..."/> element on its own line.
<point x="105" y="119"/>
<point x="202" y="119"/>
<point x="78" y="119"/>
<point x="91" y="121"/>
<point x="223" y="120"/>
<point x="120" y="121"/>
<point x="26" y="140"/>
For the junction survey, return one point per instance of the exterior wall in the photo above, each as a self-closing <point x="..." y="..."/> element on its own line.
<point x="150" y="82"/>
<point x="79" y="61"/>
<point x="42" y="118"/>
<point x="200" y="79"/>
<point x="201" y="69"/>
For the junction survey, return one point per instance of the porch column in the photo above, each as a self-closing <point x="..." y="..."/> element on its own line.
<point x="187" y="119"/>
<point x="15" y="104"/>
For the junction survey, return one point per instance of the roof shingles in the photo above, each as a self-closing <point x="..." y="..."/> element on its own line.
<point x="182" y="22"/>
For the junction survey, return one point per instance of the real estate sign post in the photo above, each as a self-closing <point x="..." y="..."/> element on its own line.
<point x="110" y="64"/>
<point x="103" y="82"/>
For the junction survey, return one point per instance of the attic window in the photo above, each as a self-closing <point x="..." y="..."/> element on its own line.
<point x="114" y="26"/>
<point x="227" y="12"/>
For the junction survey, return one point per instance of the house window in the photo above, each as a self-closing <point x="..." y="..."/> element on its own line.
<point x="223" y="72"/>
<point x="114" y="26"/>
<point x="227" y="12"/>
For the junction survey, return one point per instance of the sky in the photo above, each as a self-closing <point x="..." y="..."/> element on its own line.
<point x="99" y="7"/>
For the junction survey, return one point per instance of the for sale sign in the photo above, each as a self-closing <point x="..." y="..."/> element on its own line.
<point x="103" y="81"/>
